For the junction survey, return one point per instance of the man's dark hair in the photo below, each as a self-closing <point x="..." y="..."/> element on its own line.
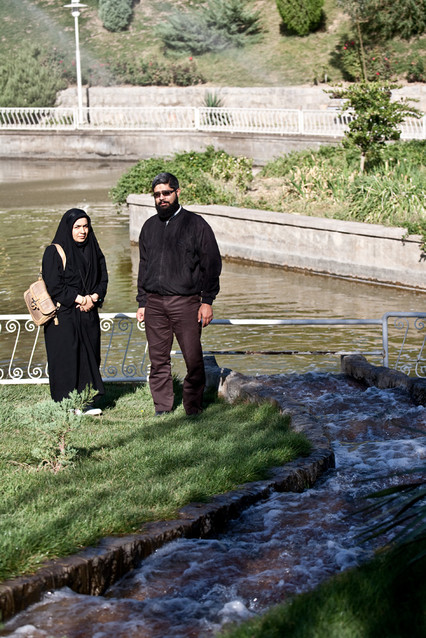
<point x="165" y="178"/>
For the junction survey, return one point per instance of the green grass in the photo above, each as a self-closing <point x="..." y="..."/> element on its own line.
<point x="129" y="468"/>
<point x="275" y="60"/>
<point x="385" y="598"/>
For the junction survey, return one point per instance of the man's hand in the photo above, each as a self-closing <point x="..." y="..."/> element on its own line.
<point x="140" y="314"/>
<point x="205" y="314"/>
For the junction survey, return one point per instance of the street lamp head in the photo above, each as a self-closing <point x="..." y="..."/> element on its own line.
<point x="75" y="7"/>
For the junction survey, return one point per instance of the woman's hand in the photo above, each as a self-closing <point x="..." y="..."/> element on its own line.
<point x="86" y="303"/>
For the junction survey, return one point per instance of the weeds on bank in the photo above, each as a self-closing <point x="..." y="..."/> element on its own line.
<point x="128" y="468"/>
<point x="53" y="425"/>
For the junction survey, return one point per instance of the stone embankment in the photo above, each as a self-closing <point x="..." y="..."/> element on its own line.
<point x="355" y="250"/>
<point x="93" y="570"/>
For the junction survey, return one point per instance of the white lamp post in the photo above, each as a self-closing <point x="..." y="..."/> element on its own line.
<point x="75" y="7"/>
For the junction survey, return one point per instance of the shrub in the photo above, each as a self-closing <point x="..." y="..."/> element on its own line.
<point x="53" y="424"/>
<point x="416" y="71"/>
<point x="300" y="18"/>
<point x="141" y="72"/>
<point x="29" y="79"/>
<point x="115" y="14"/>
<point x="216" y="26"/>
<point x="388" y="19"/>
<point x="196" y="173"/>
<point x="378" y="61"/>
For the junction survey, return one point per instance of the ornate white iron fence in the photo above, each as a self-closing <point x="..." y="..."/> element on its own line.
<point x="328" y="123"/>
<point x="124" y="356"/>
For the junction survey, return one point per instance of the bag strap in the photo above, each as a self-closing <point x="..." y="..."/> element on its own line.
<point x="62" y="254"/>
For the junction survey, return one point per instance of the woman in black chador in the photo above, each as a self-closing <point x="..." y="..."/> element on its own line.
<point x="73" y="343"/>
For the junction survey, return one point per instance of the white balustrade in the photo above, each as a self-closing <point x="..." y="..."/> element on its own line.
<point x="328" y="123"/>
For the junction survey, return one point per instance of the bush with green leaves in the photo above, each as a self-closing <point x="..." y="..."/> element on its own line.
<point x="115" y="14"/>
<point x="376" y="119"/>
<point x="141" y="72"/>
<point x="386" y="19"/>
<point x="216" y="26"/>
<point x="301" y="18"/>
<point x="416" y="71"/>
<point x="377" y="59"/>
<point x="28" y="78"/>
<point x="209" y="177"/>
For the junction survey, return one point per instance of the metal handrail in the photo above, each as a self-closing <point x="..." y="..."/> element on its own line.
<point x="123" y="332"/>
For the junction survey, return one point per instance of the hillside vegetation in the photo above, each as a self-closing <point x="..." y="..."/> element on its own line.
<point x="137" y="54"/>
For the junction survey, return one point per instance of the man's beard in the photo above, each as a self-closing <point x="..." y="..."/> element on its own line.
<point x="166" y="212"/>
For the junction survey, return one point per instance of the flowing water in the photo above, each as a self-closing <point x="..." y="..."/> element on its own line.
<point x="279" y="547"/>
<point x="282" y="546"/>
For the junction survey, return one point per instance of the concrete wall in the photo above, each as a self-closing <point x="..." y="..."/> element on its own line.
<point x="351" y="249"/>
<point x="279" y="97"/>
<point x="135" y="145"/>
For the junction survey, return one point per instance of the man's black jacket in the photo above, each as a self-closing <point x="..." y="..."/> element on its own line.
<point x="178" y="257"/>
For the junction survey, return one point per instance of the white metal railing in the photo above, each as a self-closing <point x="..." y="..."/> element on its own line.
<point x="328" y="123"/>
<point x="124" y="348"/>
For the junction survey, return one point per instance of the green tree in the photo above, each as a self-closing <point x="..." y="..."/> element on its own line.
<point x="28" y="79"/>
<point x="216" y="26"/>
<point x="115" y="14"/>
<point x="301" y="16"/>
<point x="376" y="117"/>
<point x="388" y="19"/>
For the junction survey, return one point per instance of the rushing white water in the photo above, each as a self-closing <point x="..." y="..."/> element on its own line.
<point x="280" y="547"/>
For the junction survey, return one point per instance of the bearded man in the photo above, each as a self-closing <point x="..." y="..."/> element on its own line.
<point x="178" y="280"/>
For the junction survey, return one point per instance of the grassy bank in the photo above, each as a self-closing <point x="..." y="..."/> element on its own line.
<point x="277" y="58"/>
<point x="322" y="183"/>
<point x="128" y="468"/>
<point x="382" y="599"/>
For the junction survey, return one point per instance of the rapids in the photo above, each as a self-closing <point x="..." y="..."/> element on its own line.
<point x="276" y="549"/>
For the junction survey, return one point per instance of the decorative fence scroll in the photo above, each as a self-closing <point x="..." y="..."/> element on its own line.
<point x="23" y="356"/>
<point x="400" y="343"/>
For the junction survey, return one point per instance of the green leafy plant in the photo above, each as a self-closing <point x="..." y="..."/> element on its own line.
<point x="300" y="18"/>
<point x="376" y="117"/>
<point x="53" y="424"/>
<point x="216" y="26"/>
<point x="385" y="19"/>
<point x="416" y="71"/>
<point x="115" y="14"/>
<point x="196" y="173"/>
<point x="29" y="79"/>
<point x="142" y="72"/>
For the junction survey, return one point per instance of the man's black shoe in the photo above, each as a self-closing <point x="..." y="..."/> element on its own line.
<point x="161" y="412"/>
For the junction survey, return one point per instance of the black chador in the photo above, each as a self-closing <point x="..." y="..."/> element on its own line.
<point x="73" y="344"/>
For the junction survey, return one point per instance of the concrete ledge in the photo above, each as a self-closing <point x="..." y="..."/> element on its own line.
<point x="357" y="366"/>
<point x="366" y="252"/>
<point x="95" y="569"/>
<point x="136" y="145"/>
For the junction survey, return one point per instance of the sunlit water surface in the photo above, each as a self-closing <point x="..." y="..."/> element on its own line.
<point x="33" y="197"/>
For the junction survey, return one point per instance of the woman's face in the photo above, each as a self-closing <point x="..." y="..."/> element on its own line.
<point x="80" y="230"/>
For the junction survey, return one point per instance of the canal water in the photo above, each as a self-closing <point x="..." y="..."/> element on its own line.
<point x="33" y="197"/>
<point x="282" y="546"/>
